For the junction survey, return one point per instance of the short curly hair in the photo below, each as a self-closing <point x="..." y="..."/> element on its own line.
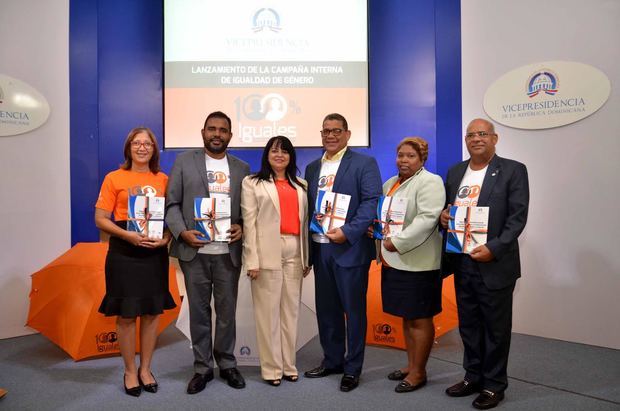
<point x="419" y="145"/>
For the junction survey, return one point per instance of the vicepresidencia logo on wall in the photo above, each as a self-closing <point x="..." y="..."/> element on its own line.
<point x="544" y="81"/>
<point x="22" y="108"/>
<point x="266" y="18"/>
<point x="534" y="97"/>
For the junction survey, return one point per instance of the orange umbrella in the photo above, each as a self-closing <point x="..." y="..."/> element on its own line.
<point x="387" y="330"/>
<point x="65" y="297"/>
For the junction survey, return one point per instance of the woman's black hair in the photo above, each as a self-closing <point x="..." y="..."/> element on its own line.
<point x="266" y="173"/>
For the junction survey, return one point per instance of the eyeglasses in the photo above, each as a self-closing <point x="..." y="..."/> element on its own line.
<point x="146" y="144"/>
<point x="334" y="131"/>
<point x="481" y="134"/>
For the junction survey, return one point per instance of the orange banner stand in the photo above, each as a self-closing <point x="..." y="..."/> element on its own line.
<point x="387" y="330"/>
<point x="65" y="297"/>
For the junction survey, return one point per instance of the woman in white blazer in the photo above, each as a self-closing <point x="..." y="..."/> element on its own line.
<point x="410" y="278"/>
<point x="274" y="207"/>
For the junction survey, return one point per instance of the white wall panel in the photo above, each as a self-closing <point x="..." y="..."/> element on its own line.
<point x="570" y="288"/>
<point x="34" y="167"/>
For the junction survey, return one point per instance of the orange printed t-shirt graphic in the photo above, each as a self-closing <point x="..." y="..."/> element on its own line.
<point x="119" y="184"/>
<point x="289" y="208"/>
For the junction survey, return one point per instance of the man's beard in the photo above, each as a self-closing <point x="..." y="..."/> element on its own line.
<point x="217" y="149"/>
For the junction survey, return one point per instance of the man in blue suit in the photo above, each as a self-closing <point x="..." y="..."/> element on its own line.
<point x="341" y="258"/>
<point x="485" y="279"/>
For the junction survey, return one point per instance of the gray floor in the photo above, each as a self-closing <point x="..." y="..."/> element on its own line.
<point x="544" y="375"/>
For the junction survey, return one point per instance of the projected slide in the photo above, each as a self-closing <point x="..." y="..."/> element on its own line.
<point x="276" y="68"/>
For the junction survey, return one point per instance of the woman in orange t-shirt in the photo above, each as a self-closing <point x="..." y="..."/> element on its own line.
<point x="136" y="267"/>
<point x="274" y="206"/>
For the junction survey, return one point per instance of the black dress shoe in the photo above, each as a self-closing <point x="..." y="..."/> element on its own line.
<point x="405" y="386"/>
<point x="233" y="377"/>
<point x="133" y="391"/>
<point x="198" y="382"/>
<point x="462" y="389"/>
<point x="320" y="372"/>
<point x="397" y="375"/>
<point x="488" y="399"/>
<point x="152" y="387"/>
<point x="349" y="382"/>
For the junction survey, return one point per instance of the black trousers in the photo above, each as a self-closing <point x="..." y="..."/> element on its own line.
<point x="485" y="325"/>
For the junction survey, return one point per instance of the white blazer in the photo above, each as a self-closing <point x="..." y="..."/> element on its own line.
<point x="419" y="244"/>
<point x="260" y="210"/>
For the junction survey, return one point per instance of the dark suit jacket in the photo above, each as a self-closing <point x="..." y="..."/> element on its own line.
<point x="188" y="180"/>
<point x="358" y="176"/>
<point x="505" y="190"/>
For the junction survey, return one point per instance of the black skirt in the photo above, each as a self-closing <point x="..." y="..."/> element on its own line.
<point x="411" y="294"/>
<point x="136" y="280"/>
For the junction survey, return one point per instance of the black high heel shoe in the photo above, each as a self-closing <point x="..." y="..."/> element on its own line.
<point x="133" y="391"/>
<point x="152" y="387"/>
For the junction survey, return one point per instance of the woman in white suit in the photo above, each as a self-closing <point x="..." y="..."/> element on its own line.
<point x="275" y="250"/>
<point x="410" y="278"/>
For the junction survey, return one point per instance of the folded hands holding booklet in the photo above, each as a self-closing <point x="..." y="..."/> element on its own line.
<point x="145" y="215"/>
<point x="390" y="217"/>
<point x="467" y="228"/>
<point x="330" y="211"/>
<point x="212" y="216"/>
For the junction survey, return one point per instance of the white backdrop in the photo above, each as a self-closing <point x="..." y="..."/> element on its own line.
<point x="570" y="288"/>
<point x="34" y="167"/>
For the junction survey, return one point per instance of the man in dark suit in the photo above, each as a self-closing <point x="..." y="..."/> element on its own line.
<point x="210" y="268"/>
<point x="341" y="258"/>
<point x="485" y="279"/>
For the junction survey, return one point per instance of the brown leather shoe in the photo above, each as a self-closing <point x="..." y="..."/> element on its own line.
<point x="488" y="399"/>
<point x="462" y="389"/>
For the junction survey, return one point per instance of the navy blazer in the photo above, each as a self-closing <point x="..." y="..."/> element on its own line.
<point x="505" y="190"/>
<point x="358" y="176"/>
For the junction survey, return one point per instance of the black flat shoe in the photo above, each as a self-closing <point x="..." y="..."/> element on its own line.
<point x="274" y="383"/>
<point x="152" y="387"/>
<point x="397" y="375"/>
<point x="405" y="386"/>
<point x="291" y="378"/>
<point x="320" y="372"/>
<point x="133" y="391"/>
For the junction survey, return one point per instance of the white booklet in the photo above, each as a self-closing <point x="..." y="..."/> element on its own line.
<point x="390" y="217"/>
<point x="145" y="214"/>
<point x="212" y="216"/>
<point x="330" y="211"/>
<point x="467" y="228"/>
